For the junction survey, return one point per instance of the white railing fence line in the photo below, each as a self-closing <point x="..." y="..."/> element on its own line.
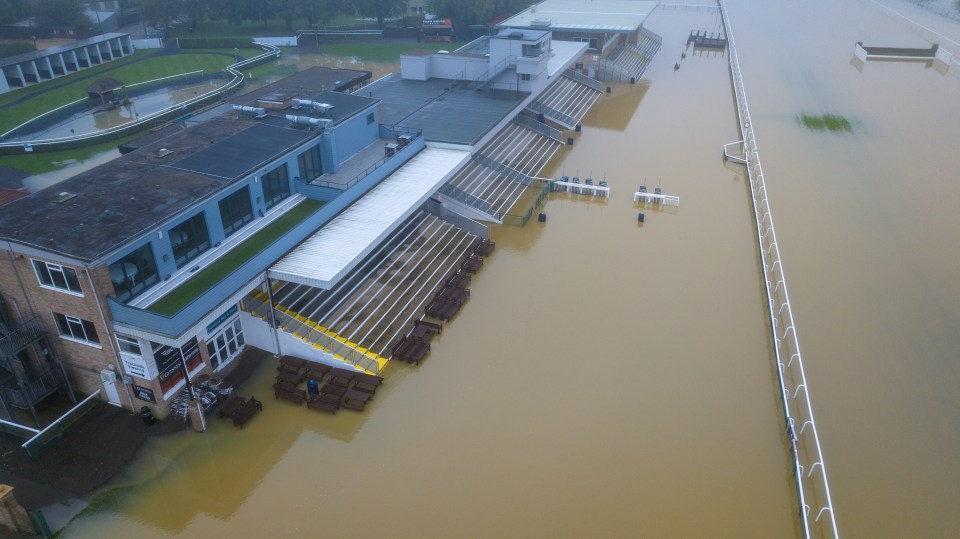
<point x="810" y="475"/>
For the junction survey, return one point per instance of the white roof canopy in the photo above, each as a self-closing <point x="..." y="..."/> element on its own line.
<point x="333" y="251"/>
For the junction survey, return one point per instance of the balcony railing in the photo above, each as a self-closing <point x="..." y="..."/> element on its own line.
<point x="21" y="337"/>
<point x="34" y="390"/>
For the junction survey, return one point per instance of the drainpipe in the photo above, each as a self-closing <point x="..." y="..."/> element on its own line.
<point x="23" y="289"/>
<point x="111" y="337"/>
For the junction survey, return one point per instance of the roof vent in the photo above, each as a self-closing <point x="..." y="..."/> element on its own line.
<point x="540" y="22"/>
<point x="63" y="196"/>
<point x="163" y="152"/>
<point x="515" y="35"/>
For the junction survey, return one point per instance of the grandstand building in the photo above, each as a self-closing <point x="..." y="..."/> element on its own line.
<point x="299" y="220"/>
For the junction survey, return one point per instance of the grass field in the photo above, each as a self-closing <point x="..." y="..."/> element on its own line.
<point x="139" y="67"/>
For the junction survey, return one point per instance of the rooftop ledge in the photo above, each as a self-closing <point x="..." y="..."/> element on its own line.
<point x="209" y="276"/>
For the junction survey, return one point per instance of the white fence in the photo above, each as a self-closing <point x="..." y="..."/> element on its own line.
<point x="149" y="43"/>
<point x="813" y="491"/>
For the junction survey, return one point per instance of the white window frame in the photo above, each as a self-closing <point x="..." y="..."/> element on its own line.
<point x="238" y="342"/>
<point x="50" y="267"/>
<point x="129" y="341"/>
<point x="70" y="320"/>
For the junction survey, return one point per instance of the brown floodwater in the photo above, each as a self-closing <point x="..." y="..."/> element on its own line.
<point x="610" y="378"/>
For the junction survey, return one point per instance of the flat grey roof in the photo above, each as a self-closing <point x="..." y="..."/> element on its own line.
<point x="35" y="55"/>
<point x="309" y="81"/>
<point x="592" y="16"/>
<point x="443" y="111"/>
<point x="120" y="201"/>
<point x="526" y="34"/>
<point x="229" y="159"/>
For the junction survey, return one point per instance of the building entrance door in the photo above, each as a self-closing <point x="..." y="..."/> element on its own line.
<point x="109" y="380"/>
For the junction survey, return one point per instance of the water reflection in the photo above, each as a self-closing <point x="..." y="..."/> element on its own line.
<point x="96" y="119"/>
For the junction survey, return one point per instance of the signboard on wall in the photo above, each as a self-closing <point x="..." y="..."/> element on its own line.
<point x="134" y="366"/>
<point x="221" y="319"/>
<point x="144" y="393"/>
<point x="170" y="361"/>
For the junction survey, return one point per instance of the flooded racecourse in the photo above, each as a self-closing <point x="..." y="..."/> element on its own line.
<point x="615" y="379"/>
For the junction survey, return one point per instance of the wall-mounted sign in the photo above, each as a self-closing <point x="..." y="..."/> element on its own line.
<point x="135" y="366"/>
<point x="144" y="393"/>
<point x="221" y="319"/>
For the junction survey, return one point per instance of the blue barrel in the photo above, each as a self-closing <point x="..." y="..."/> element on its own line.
<point x="313" y="387"/>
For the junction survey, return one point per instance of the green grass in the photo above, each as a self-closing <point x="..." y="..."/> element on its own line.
<point x="40" y="162"/>
<point x="72" y="87"/>
<point x="826" y="122"/>
<point x="214" y="273"/>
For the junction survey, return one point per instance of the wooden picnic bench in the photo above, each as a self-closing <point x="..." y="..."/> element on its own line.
<point x="356" y="400"/>
<point x="296" y="396"/>
<point x="472" y="264"/>
<point x="246" y="412"/>
<point x="442" y="308"/>
<point x="410" y="350"/>
<point x="454" y="293"/>
<point x="367" y="382"/>
<point x="231" y="407"/>
<point x="332" y="389"/>
<point x="460" y="278"/>
<point x="484" y="248"/>
<point x="317" y="402"/>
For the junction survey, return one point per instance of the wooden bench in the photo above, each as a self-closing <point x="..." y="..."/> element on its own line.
<point x="232" y="406"/>
<point x="318" y="403"/>
<point x="246" y="412"/>
<point x="296" y="396"/>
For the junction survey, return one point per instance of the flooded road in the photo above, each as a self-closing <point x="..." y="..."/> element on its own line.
<point x="609" y="378"/>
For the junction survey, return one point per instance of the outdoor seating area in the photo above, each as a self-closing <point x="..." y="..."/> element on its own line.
<point x="327" y="388"/>
<point x="390" y="290"/>
<point x="210" y="391"/>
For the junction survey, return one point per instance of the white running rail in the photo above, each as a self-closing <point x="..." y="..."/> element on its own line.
<point x="813" y="492"/>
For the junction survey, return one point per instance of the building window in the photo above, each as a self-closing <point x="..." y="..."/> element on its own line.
<point x="579" y="67"/>
<point x="225" y="345"/>
<point x="236" y="211"/>
<point x="129" y="345"/>
<point x="370" y="118"/>
<point x="57" y="276"/>
<point x="525" y="76"/>
<point x="189" y="239"/>
<point x="276" y="186"/>
<point x="76" y="329"/>
<point x="134" y="273"/>
<point x="592" y="41"/>
<point x="309" y="162"/>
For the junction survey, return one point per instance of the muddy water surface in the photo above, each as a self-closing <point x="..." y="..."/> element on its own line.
<point x="608" y="378"/>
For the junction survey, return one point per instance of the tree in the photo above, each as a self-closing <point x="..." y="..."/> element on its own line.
<point x="12" y="11"/>
<point x="161" y="11"/>
<point x="60" y="14"/>
<point x="381" y="9"/>
<point x="320" y="12"/>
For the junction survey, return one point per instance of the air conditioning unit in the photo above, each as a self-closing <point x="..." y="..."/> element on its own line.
<point x="108" y="377"/>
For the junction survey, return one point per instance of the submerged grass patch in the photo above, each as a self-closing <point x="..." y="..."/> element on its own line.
<point x="826" y="122"/>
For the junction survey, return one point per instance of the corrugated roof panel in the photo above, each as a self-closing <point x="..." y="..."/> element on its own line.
<point x="333" y="251"/>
